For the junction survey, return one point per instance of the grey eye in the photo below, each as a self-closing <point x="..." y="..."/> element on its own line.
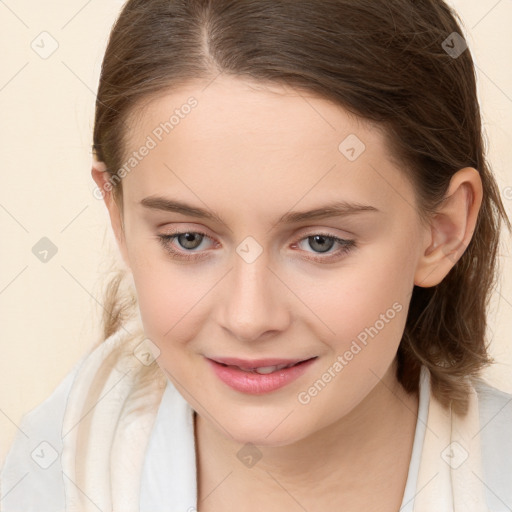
<point x="186" y="240"/>
<point x="323" y="243"/>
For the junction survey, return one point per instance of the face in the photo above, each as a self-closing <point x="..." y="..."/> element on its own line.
<point x="255" y="280"/>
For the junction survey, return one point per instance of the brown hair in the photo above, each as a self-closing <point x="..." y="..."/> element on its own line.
<point x="385" y="61"/>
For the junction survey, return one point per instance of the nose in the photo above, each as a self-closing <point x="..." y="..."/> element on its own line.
<point x="254" y="304"/>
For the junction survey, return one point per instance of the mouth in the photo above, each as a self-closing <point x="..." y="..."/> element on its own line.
<point x="260" y="376"/>
<point x="262" y="367"/>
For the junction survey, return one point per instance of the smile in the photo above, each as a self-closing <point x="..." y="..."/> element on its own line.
<point x="260" y="379"/>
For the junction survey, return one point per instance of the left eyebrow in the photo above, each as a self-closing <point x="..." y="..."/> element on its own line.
<point x="335" y="209"/>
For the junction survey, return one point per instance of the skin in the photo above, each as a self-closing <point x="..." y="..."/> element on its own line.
<point x="252" y="153"/>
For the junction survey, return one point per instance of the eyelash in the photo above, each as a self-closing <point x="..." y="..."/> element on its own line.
<point x="346" y="246"/>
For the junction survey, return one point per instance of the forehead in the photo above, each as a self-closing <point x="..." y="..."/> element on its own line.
<point x="239" y="137"/>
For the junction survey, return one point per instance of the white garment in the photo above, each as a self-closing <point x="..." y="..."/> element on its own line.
<point x="168" y="478"/>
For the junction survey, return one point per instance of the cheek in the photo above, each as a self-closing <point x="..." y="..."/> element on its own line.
<point x="171" y="297"/>
<point x="374" y="290"/>
<point x="166" y="299"/>
<point x="366" y="307"/>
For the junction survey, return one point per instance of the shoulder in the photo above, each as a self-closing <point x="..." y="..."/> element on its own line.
<point x="495" y="411"/>
<point x="495" y="407"/>
<point x="31" y="477"/>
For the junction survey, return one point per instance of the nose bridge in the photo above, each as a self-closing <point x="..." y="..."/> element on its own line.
<point x="253" y="303"/>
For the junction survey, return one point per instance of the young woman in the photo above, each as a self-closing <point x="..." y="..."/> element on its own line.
<point x="301" y="197"/>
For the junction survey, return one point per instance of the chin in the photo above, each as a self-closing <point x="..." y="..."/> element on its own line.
<point x="264" y="433"/>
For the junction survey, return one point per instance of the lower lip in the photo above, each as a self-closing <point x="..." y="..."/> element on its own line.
<point x="255" y="383"/>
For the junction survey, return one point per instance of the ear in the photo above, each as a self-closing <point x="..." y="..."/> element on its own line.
<point x="105" y="187"/>
<point x="451" y="228"/>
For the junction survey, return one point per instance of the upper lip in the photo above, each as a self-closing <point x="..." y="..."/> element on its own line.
<point x="250" y="364"/>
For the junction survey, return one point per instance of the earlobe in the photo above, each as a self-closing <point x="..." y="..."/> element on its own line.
<point x="101" y="178"/>
<point x="451" y="228"/>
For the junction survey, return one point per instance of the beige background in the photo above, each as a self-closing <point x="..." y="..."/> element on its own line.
<point x="50" y="311"/>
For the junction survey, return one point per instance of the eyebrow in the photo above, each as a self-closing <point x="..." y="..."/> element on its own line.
<point x="334" y="209"/>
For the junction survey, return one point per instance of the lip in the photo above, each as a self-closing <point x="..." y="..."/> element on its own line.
<point x="250" y="364"/>
<point x="258" y="384"/>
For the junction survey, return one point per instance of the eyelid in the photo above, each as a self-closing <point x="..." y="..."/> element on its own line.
<point x="346" y="245"/>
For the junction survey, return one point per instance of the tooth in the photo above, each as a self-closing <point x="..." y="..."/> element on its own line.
<point x="266" y="369"/>
<point x="271" y="369"/>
